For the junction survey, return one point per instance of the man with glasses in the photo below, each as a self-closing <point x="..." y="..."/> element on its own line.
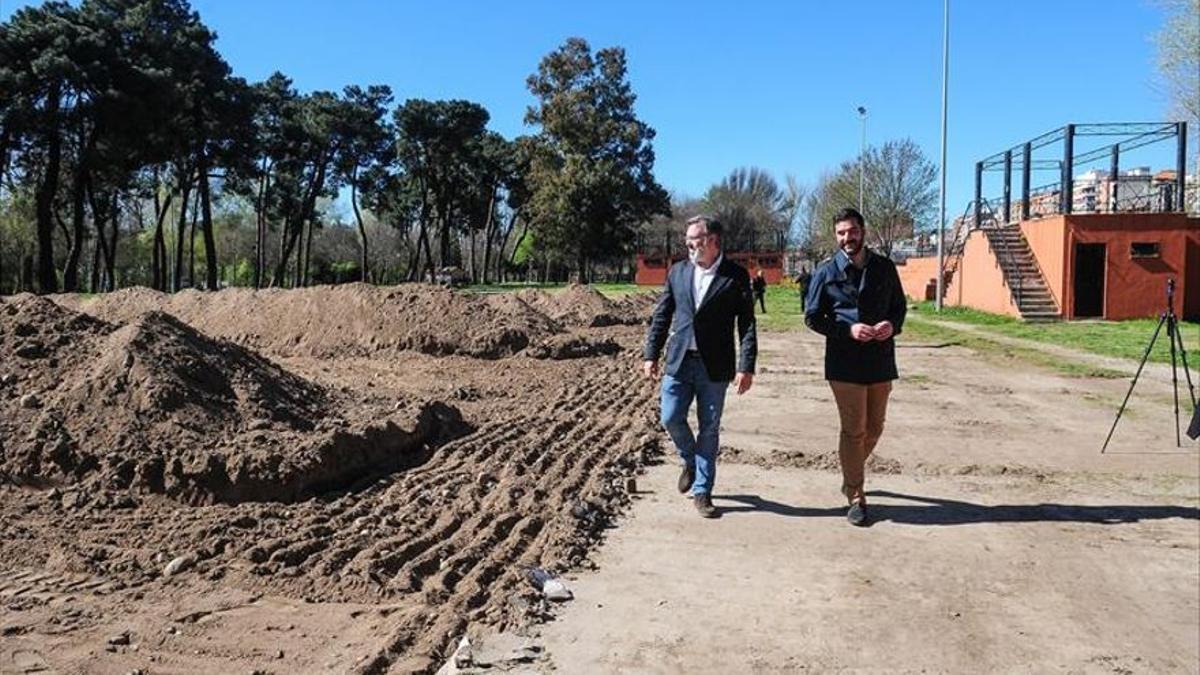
<point x="704" y="297"/>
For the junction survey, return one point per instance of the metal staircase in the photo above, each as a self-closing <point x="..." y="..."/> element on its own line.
<point x="1022" y="274"/>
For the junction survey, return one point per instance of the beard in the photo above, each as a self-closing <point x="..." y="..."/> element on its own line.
<point x="852" y="248"/>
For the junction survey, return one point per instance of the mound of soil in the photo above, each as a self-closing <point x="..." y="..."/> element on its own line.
<point x="639" y="305"/>
<point x="159" y="407"/>
<point x="39" y="340"/>
<point x="581" y="305"/>
<point x="574" y="346"/>
<point x="345" y="320"/>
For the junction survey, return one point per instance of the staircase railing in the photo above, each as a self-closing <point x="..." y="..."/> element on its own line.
<point x="1008" y="258"/>
<point x="953" y="254"/>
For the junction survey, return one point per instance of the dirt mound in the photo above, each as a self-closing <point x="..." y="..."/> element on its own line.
<point x="574" y="346"/>
<point x="523" y="313"/>
<point x="583" y="306"/>
<point x="637" y="304"/>
<point x="159" y="407"/>
<point x="438" y="548"/>
<point x="345" y="320"/>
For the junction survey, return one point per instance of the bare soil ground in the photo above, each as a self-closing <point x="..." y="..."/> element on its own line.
<point x="334" y="479"/>
<point x="349" y="479"/>
<point x="1003" y="542"/>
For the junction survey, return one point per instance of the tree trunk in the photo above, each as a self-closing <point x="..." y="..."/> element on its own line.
<point x="429" y="266"/>
<point x="306" y="279"/>
<point x="210" y="244"/>
<point x="260" y="211"/>
<point x="160" y="244"/>
<point x="27" y="274"/>
<point x="192" y="241"/>
<point x="287" y="239"/>
<point x="71" y="269"/>
<point x="471" y="255"/>
<point x="185" y="191"/>
<point x="98" y="253"/>
<point x="362" y="229"/>
<point x="298" y="278"/>
<point x="414" y="259"/>
<point x="110" y="251"/>
<point x="5" y="143"/>
<point x="48" y="189"/>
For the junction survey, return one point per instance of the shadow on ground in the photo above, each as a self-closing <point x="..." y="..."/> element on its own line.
<point x="938" y="511"/>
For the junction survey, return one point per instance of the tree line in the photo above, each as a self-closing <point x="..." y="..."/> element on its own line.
<point x="131" y="154"/>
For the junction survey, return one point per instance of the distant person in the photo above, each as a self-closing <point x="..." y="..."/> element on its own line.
<point x="703" y="299"/>
<point x="856" y="301"/>
<point x="802" y="280"/>
<point x="760" y="289"/>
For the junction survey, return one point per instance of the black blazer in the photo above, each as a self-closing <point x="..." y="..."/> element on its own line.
<point x="676" y="320"/>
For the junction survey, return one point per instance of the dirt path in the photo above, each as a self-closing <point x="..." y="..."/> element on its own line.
<point x="1004" y="541"/>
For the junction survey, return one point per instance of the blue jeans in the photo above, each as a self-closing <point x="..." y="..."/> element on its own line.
<point x="697" y="451"/>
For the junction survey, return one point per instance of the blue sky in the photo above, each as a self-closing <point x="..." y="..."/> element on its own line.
<point x="769" y="84"/>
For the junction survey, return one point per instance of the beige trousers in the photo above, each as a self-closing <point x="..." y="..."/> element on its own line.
<point x="862" y="409"/>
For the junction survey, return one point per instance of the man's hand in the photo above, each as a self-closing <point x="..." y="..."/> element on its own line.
<point x="743" y="381"/>
<point x="883" y="330"/>
<point x="862" y="332"/>
<point x="650" y="369"/>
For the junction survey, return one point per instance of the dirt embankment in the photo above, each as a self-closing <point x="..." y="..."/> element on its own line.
<point x="362" y="320"/>
<point x="149" y="429"/>
<point x="159" y="407"/>
<point x="584" y="307"/>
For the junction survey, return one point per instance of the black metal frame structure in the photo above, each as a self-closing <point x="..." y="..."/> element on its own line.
<point x="1129" y="135"/>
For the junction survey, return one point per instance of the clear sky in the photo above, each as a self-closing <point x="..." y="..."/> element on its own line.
<point x="770" y="84"/>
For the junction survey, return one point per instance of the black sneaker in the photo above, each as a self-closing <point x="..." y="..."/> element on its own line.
<point x="704" y="506"/>
<point x="857" y="514"/>
<point x="686" y="477"/>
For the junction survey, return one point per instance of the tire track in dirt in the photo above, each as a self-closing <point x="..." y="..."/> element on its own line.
<point x="571" y="457"/>
<point x="442" y="545"/>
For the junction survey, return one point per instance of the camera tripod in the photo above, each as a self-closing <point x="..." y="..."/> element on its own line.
<point x="1169" y="320"/>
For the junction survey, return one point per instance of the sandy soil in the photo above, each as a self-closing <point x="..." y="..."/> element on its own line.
<point x="1004" y="541"/>
<point x="187" y="520"/>
<point x="460" y="461"/>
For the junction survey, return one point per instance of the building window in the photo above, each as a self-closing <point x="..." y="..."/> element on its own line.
<point x="1144" y="249"/>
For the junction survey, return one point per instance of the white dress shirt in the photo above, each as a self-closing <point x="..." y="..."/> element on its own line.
<point x="702" y="278"/>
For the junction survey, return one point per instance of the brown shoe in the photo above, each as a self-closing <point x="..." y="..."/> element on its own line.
<point x="704" y="506"/>
<point x="686" y="477"/>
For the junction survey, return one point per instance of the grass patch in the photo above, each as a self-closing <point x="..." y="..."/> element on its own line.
<point x="1002" y="353"/>
<point x="783" y="310"/>
<point x="1125" y="339"/>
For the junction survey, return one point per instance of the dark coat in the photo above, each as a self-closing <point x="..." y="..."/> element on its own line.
<point x="835" y="302"/>
<point x="728" y="300"/>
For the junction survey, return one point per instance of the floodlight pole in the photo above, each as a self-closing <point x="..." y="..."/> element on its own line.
<point x="862" y="155"/>
<point x="941" y="236"/>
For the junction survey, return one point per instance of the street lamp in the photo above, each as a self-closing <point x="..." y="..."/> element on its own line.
<point x="941" y="277"/>
<point x="862" y="154"/>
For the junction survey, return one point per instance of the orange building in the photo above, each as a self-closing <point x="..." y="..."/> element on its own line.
<point x="652" y="268"/>
<point x="1109" y="266"/>
<point x="1103" y="244"/>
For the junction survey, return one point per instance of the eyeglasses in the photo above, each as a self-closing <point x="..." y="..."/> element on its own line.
<point x="695" y="240"/>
